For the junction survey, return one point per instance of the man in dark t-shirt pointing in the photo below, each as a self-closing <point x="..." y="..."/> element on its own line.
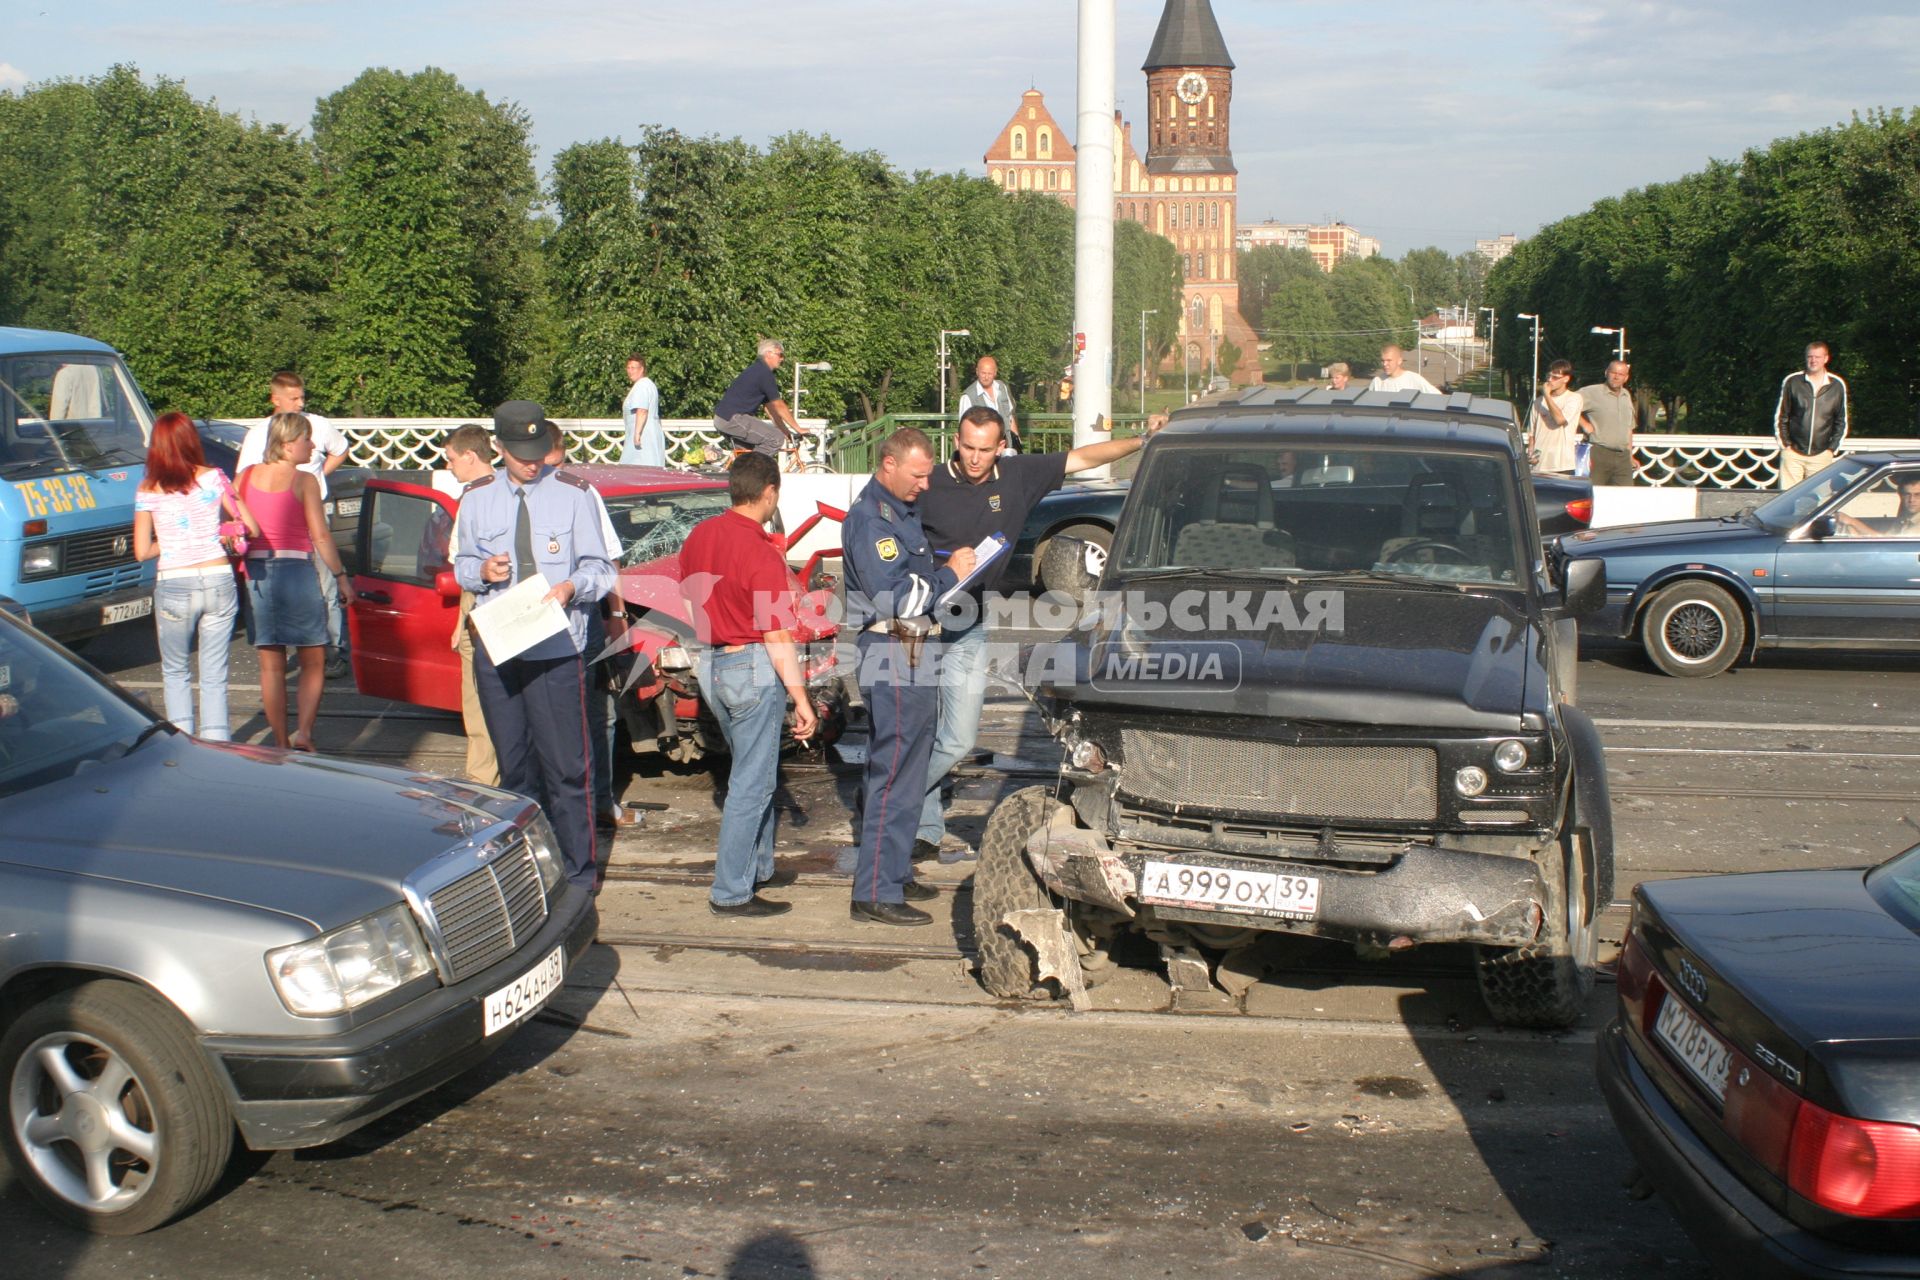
<point x="982" y="491"/>
<point x="738" y="413"/>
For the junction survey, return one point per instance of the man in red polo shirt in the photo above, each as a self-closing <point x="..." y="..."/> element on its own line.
<point x="741" y="595"/>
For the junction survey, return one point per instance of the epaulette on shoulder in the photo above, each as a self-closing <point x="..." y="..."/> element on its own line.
<point x="567" y="477"/>
<point x="481" y="483"/>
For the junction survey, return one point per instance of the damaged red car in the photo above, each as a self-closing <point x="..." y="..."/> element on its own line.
<point x="408" y="601"/>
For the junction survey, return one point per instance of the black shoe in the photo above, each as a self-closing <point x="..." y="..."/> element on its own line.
<point x="888" y="913"/>
<point x="754" y="906"/>
<point x="780" y="879"/>
<point x="914" y="891"/>
<point x="925" y="851"/>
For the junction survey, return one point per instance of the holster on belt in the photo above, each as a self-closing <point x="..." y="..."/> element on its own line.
<point x="912" y="634"/>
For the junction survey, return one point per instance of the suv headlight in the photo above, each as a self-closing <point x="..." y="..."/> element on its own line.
<point x="1510" y="755"/>
<point x="356" y="963"/>
<point x="545" y="847"/>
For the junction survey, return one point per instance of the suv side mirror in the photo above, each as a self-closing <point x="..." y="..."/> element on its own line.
<point x="1064" y="564"/>
<point x="1585" y="586"/>
<point x="1823" y="528"/>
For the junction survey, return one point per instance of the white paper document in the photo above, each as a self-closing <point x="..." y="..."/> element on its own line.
<point x="518" y="618"/>
<point x="983" y="555"/>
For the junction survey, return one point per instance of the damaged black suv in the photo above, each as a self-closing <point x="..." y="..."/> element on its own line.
<point x="1324" y="686"/>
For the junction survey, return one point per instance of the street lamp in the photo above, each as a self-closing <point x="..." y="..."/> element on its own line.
<point x="814" y="366"/>
<point x="1143" y="358"/>
<point x="1534" y="389"/>
<point x="944" y="335"/>
<point x="1187" y="357"/>
<point x="1620" y="347"/>
<point x="1493" y="318"/>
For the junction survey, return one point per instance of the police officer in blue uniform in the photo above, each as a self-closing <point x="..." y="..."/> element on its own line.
<point x="531" y="519"/>
<point x="893" y="583"/>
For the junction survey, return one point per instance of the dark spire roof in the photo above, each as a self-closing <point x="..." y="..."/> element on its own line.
<point x="1188" y="37"/>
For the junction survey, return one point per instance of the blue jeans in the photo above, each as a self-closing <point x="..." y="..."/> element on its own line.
<point x="747" y="699"/>
<point x="205" y="604"/>
<point x="963" y="691"/>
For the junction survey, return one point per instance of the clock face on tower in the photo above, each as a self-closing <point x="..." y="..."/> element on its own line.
<point x="1192" y="87"/>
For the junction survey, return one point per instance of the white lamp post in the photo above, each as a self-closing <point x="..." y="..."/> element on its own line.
<point x="815" y="366"/>
<point x="944" y="335"/>
<point x="1534" y="390"/>
<point x="1143" y="358"/>
<point x="1493" y="318"/>
<point x="1620" y="345"/>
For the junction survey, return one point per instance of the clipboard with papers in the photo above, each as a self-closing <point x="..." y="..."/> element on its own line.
<point x="991" y="548"/>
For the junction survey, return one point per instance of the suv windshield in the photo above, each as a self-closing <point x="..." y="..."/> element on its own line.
<point x="55" y="717"/>
<point x="1797" y="505"/>
<point x="1448" y="517"/>
<point x="652" y="525"/>
<point x="76" y="412"/>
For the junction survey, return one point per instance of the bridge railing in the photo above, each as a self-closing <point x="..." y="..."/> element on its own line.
<point x="1687" y="461"/>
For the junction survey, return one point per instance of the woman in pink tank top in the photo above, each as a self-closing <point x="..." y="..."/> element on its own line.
<point x="286" y="608"/>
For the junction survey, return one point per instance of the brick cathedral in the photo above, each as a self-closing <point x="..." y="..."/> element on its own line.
<point x="1183" y="189"/>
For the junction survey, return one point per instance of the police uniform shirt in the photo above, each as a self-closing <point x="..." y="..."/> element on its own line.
<point x="957" y="513"/>
<point x="891" y="572"/>
<point x="568" y="545"/>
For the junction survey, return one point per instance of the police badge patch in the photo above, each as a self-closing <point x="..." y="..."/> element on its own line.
<point x="889" y="549"/>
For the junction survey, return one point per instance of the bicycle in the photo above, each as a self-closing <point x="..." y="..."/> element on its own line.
<point x="804" y="452"/>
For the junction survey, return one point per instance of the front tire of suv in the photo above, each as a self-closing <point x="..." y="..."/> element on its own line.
<point x="1003" y="883"/>
<point x="1693" y="629"/>
<point x="1546" y="983"/>
<point x="114" y="1120"/>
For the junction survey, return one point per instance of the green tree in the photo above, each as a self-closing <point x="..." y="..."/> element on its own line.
<point x="1300" y="321"/>
<point x="1146" y="277"/>
<point x="1264" y="272"/>
<point x="1369" y="311"/>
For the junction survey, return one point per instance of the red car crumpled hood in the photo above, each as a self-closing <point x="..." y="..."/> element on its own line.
<point x="652" y="591"/>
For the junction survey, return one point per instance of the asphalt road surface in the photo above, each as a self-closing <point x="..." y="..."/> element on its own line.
<point x="810" y="1097"/>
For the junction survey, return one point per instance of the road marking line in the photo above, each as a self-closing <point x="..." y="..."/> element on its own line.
<point x="1764" y="751"/>
<point x="1787" y="727"/>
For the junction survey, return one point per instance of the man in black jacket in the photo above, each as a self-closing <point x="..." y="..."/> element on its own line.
<point x="1811" y="419"/>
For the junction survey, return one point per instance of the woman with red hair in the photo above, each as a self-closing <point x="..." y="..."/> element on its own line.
<point x="176" y="518"/>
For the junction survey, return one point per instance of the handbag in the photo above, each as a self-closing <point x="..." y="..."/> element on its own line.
<point x="233" y="533"/>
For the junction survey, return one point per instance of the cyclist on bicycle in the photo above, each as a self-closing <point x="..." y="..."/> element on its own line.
<point x="737" y="414"/>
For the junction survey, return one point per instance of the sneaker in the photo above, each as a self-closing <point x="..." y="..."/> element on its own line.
<point x="953" y="849"/>
<point x="337" y="665"/>
<point x="755" y="906"/>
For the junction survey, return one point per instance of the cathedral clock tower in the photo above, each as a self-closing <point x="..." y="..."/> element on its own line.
<point x="1190" y="175"/>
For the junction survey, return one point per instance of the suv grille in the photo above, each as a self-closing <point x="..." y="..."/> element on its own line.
<point x="483" y="916"/>
<point x="1376" y="784"/>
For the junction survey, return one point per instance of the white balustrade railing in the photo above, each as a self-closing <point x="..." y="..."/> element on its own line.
<point x="1699" y="462"/>
<point x="410" y="444"/>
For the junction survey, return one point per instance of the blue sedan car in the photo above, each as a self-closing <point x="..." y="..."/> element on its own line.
<point x="1833" y="562"/>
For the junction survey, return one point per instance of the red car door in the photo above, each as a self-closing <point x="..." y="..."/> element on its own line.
<point x="406" y="603"/>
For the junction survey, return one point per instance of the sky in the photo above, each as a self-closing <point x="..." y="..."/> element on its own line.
<point x="1417" y="123"/>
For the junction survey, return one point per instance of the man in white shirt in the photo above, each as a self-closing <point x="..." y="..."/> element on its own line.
<point x="987" y="389"/>
<point x="1553" y="424"/>
<point x="1393" y="378"/>
<point x="288" y="394"/>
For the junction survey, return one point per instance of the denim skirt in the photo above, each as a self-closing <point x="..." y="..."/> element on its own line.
<point x="284" y="604"/>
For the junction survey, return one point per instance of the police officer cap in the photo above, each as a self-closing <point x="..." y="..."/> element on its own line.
<point x="523" y="430"/>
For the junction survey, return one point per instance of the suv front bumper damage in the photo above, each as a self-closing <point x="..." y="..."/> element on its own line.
<point x="1430" y="894"/>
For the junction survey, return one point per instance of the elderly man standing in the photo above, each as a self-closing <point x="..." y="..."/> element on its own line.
<point x="469" y="453"/>
<point x="1811" y="418"/>
<point x="737" y="414"/>
<point x="893" y="584"/>
<point x="1393" y="378"/>
<point x="1608" y="421"/>
<point x="532" y="521"/>
<point x="987" y="391"/>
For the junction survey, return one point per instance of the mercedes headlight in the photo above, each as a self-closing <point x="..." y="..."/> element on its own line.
<point x="1510" y="755"/>
<point x="340" y="971"/>
<point x="545" y="847"/>
<point x="1470" y="781"/>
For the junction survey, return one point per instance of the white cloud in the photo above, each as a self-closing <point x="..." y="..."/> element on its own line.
<point x="11" y="77"/>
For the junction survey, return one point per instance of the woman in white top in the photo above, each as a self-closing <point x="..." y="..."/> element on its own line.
<point x="176" y="519"/>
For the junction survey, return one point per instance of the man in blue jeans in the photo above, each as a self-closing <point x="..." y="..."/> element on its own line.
<point x="741" y="594"/>
<point x="979" y="492"/>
